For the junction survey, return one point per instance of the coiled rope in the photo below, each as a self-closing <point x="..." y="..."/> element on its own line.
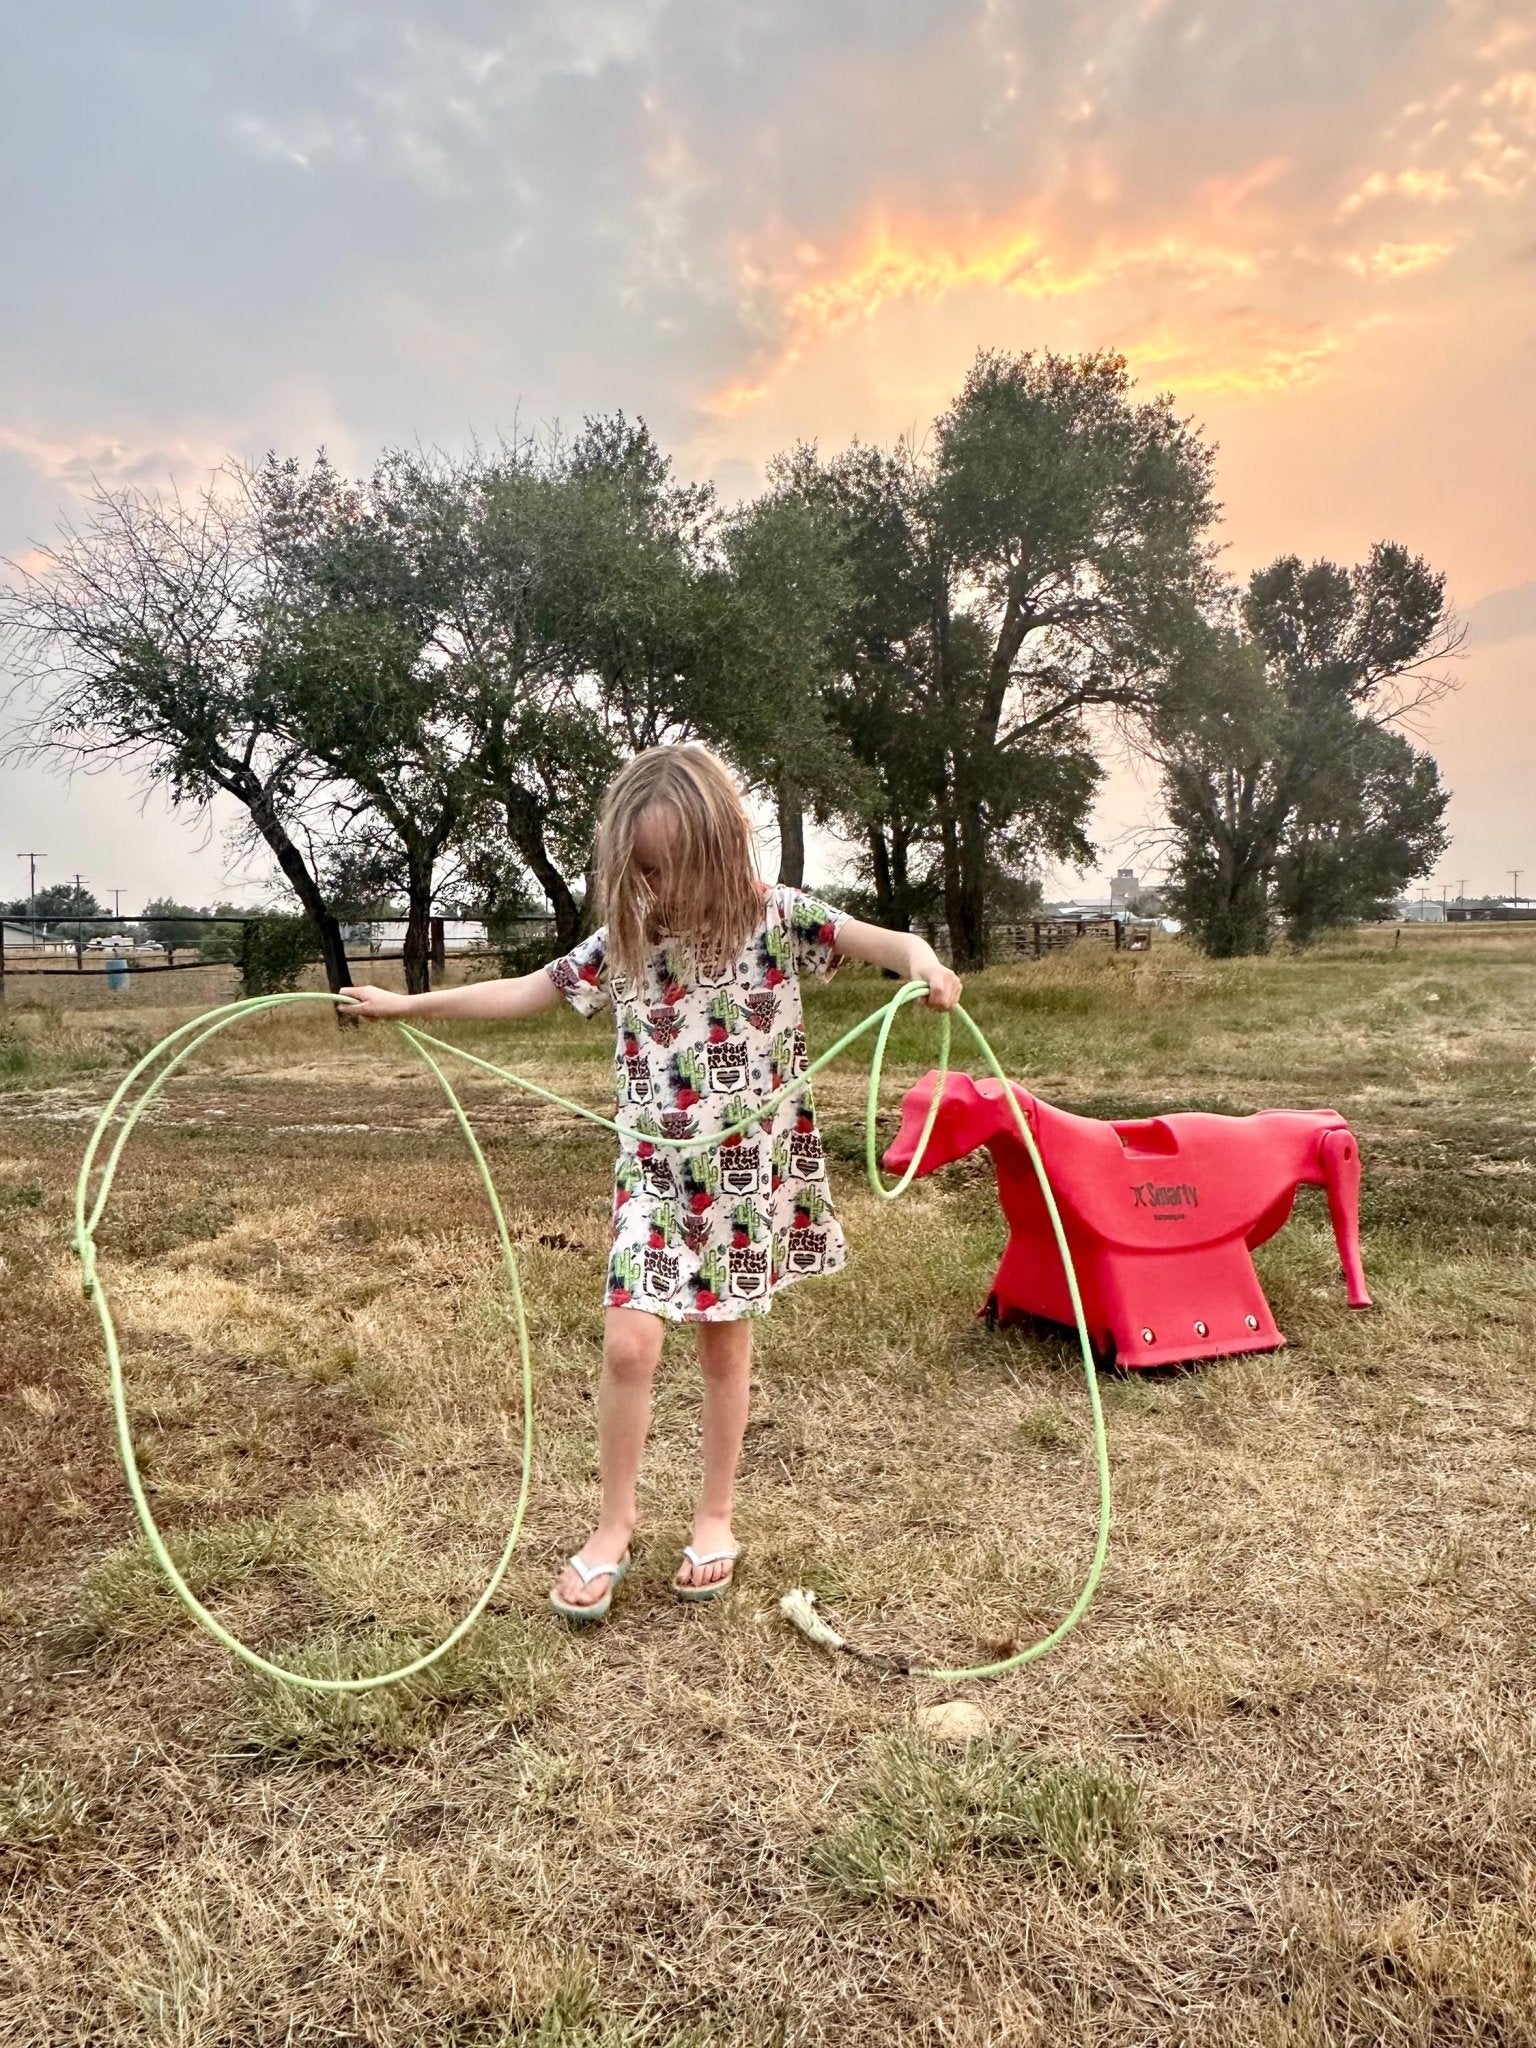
<point x="178" y="1046"/>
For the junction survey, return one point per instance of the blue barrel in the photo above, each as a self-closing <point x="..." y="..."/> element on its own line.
<point x="117" y="974"/>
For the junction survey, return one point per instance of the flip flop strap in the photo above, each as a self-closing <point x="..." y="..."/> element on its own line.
<point x="711" y="1557"/>
<point x="588" y="1572"/>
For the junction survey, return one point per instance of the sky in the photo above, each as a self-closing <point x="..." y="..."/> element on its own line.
<point x="238" y="225"/>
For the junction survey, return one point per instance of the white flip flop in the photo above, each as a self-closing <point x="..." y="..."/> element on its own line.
<point x="595" y="1610"/>
<point x="717" y="1586"/>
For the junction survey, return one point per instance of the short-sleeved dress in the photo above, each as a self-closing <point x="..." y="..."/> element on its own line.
<point x="710" y="1236"/>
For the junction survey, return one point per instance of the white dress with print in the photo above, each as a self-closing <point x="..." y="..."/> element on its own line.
<point x="709" y="1236"/>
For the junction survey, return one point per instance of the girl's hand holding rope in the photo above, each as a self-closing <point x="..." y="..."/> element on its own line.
<point x="372" y="1004"/>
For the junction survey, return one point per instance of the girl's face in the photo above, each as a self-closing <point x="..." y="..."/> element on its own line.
<point x="655" y="834"/>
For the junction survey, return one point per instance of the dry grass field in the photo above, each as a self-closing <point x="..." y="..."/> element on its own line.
<point x="1277" y="1791"/>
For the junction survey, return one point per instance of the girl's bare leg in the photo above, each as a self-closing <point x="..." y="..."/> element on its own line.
<point x="725" y="1359"/>
<point x="632" y="1343"/>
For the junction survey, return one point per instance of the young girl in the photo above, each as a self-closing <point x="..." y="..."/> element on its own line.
<point x="700" y="963"/>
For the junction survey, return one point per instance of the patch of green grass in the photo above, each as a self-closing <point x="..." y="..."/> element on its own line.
<point x="1048" y="1429"/>
<point x="40" y="1808"/>
<point x="568" y="2021"/>
<point x="506" y="1663"/>
<point x="1470" y="1189"/>
<point x="125" y="1598"/>
<point x="146" y="1223"/>
<point x="922" y="1812"/>
<point x="16" y="1060"/>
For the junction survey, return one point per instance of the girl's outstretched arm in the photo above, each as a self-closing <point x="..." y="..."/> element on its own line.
<point x="523" y="995"/>
<point x="905" y="954"/>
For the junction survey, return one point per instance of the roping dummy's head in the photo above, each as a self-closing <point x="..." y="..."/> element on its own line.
<point x="971" y="1113"/>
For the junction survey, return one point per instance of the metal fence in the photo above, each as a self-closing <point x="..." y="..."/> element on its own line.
<point x="1029" y="940"/>
<point x="1042" y="935"/>
<point x="67" y="936"/>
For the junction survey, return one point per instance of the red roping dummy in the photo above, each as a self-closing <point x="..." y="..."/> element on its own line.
<point x="1161" y="1213"/>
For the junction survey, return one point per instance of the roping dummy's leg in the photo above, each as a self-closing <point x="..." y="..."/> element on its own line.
<point x="1341" y="1177"/>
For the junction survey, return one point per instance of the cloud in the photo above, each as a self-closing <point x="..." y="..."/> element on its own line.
<point x="428" y="218"/>
<point x="820" y="295"/>
<point x="1396" y="259"/>
<point x="371" y="221"/>
<point x="1433" y="186"/>
<point x="76" y="462"/>
<point x="1253" y="357"/>
<point x="1517" y="91"/>
<point x="1503" y="615"/>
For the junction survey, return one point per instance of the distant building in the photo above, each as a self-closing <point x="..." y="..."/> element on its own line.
<point x="387" y="934"/>
<point x="1123" y="889"/>
<point x="25" y="938"/>
<point x="1491" y="913"/>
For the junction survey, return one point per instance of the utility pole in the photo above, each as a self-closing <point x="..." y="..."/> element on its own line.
<point x="1461" y="890"/>
<point x="79" y="929"/>
<point x="1517" y="873"/>
<point x="32" y="860"/>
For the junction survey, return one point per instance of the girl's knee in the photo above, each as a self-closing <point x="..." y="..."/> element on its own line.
<point x="629" y="1356"/>
<point x="726" y="1353"/>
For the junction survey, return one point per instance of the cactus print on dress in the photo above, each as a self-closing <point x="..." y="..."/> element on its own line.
<point x="711" y="1236"/>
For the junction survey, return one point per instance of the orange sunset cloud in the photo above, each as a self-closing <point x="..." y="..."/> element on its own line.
<point x="926" y="264"/>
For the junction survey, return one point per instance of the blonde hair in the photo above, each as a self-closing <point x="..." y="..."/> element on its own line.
<point x="713" y="895"/>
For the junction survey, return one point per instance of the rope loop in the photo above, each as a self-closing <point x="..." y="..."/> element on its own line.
<point x="158" y="1065"/>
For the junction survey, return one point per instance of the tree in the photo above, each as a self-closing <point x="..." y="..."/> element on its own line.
<point x="274" y="951"/>
<point x="218" y="943"/>
<point x="58" y="901"/>
<point x="1290" y="795"/>
<point x="1046" y="559"/>
<point x="359" y="667"/>
<point x="171" y="926"/>
<point x="871" y="504"/>
<point x="578" y="633"/>
<point x="1369" y="825"/>
<point x="140" y="642"/>
<point x="768" y="615"/>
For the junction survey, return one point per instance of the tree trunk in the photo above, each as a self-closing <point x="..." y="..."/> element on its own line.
<point x="970" y="941"/>
<point x="791" y="808"/>
<point x="589" y="898"/>
<point x="418" y="924"/>
<point x="296" y="873"/>
<point x="880" y="868"/>
<point x="949" y="840"/>
<point x="526" y="828"/>
<point x="965" y="891"/>
<point x="901" y="881"/>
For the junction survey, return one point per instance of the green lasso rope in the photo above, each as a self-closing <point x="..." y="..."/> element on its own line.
<point x="181" y="1044"/>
